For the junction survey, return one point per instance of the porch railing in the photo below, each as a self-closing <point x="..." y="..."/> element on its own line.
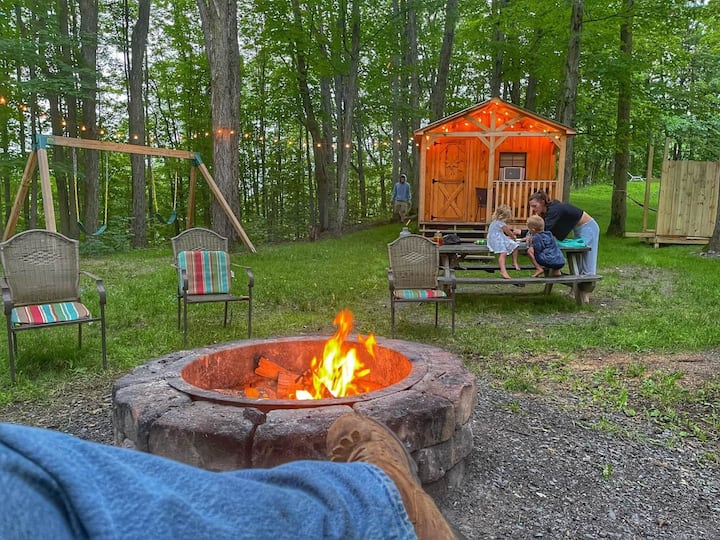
<point x="515" y="193"/>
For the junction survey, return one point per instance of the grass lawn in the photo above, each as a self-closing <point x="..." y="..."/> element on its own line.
<point x="650" y="302"/>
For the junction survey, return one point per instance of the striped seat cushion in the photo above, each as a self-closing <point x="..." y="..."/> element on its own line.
<point x="49" y="313"/>
<point x="207" y="271"/>
<point x="418" y="294"/>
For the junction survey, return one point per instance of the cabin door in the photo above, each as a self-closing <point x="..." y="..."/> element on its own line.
<point x="448" y="181"/>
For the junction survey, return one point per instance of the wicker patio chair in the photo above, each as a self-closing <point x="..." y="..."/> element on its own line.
<point x="413" y="276"/>
<point x="41" y="287"/>
<point x="202" y="260"/>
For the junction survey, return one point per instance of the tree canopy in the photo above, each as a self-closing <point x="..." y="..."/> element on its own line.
<point x="330" y="92"/>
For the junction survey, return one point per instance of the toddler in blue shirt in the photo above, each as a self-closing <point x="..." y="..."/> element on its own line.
<point x="542" y="248"/>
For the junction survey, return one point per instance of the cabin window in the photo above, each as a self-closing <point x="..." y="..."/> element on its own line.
<point x="512" y="159"/>
<point x="512" y="166"/>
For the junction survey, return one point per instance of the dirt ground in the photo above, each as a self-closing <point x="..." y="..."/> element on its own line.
<point x="540" y="468"/>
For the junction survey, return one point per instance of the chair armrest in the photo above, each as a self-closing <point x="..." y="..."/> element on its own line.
<point x="249" y="272"/>
<point x="391" y="279"/>
<point x="6" y="296"/>
<point x="99" y="284"/>
<point x="183" y="279"/>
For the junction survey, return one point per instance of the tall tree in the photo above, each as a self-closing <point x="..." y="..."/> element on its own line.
<point x="568" y="99"/>
<point x="618" y="210"/>
<point x="439" y="90"/>
<point x="346" y="97"/>
<point x="313" y="122"/>
<point x="498" y="49"/>
<point x="88" y="91"/>
<point x="220" y="28"/>
<point x="136" y="113"/>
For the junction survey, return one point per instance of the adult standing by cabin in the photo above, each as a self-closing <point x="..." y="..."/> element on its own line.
<point x="561" y="218"/>
<point x="401" y="197"/>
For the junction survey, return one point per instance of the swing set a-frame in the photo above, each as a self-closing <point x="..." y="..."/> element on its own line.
<point x="38" y="159"/>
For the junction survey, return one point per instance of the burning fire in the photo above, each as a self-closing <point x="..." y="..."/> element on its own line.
<point x="338" y="374"/>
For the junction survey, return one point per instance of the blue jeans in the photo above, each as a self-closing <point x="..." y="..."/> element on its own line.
<point x="590" y="232"/>
<point x="57" y="486"/>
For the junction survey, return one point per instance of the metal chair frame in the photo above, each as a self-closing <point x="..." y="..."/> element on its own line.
<point x="43" y="267"/>
<point x="201" y="239"/>
<point x="414" y="265"/>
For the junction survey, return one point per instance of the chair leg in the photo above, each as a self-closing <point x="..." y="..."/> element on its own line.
<point x="12" y="349"/>
<point x="184" y="321"/>
<point x="225" y="316"/>
<point x="250" y="318"/>
<point x="392" y="317"/>
<point x="436" y="313"/>
<point x="452" y="324"/>
<point x="103" y="342"/>
<point x="178" y="303"/>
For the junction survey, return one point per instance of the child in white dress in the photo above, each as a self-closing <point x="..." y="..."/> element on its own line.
<point x="501" y="238"/>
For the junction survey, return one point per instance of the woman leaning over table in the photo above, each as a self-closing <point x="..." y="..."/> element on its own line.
<point x="561" y="218"/>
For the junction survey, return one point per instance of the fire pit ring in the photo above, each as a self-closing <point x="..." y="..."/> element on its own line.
<point x="169" y="407"/>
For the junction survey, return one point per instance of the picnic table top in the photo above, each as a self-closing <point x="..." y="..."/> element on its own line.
<point x="470" y="248"/>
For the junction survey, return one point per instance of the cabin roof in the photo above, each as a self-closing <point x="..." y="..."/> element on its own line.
<point x="507" y="118"/>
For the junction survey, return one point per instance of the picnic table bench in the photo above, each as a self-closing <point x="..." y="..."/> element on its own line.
<point x="453" y="258"/>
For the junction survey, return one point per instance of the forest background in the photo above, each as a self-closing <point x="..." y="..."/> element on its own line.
<point x="304" y="111"/>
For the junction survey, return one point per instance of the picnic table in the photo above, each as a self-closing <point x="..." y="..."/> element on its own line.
<point x="478" y="258"/>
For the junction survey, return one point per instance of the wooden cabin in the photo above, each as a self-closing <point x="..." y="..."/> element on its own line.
<point x="490" y="154"/>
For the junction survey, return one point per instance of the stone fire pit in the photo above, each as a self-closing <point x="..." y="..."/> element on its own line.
<point x="171" y="407"/>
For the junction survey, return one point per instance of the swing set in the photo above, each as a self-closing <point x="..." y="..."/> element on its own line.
<point x="38" y="159"/>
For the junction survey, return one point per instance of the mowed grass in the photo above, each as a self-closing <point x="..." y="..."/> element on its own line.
<point x="649" y="301"/>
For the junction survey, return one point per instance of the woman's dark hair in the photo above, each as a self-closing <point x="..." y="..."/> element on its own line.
<point x="541" y="196"/>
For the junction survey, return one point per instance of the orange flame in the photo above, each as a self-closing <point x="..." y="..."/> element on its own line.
<point x="339" y="374"/>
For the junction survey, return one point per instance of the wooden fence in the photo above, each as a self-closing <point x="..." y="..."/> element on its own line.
<point x="516" y="194"/>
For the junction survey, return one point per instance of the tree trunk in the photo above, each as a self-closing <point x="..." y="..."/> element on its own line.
<point x="88" y="91"/>
<point x="396" y="86"/>
<point x="568" y="100"/>
<point x="220" y="28"/>
<point x="136" y="112"/>
<point x="496" y="78"/>
<point x="439" y="90"/>
<point x="410" y="120"/>
<point x="714" y="244"/>
<point x="360" y="153"/>
<point x="311" y="123"/>
<point x="327" y="134"/>
<point x="618" y="209"/>
<point x="64" y="183"/>
<point x="348" y="93"/>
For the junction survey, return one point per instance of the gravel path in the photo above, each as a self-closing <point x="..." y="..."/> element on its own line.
<point x="538" y="468"/>
<point x="539" y="471"/>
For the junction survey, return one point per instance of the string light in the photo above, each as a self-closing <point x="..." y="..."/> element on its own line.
<point x="3" y="101"/>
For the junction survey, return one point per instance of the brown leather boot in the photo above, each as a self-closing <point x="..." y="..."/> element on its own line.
<point x="353" y="437"/>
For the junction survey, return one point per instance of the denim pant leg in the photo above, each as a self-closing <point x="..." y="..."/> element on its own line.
<point x="57" y="486"/>
<point x="590" y="232"/>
